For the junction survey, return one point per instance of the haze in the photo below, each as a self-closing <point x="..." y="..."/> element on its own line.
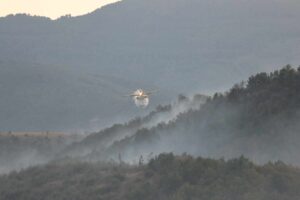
<point x="52" y="9"/>
<point x="72" y="73"/>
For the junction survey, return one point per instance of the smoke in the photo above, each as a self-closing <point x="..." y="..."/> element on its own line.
<point x="99" y="141"/>
<point x="259" y="121"/>
<point x="19" y="150"/>
<point x="17" y="161"/>
<point x="223" y="126"/>
<point x="216" y="129"/>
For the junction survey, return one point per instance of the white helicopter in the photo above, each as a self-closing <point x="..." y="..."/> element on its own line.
<point x="141" y="98"/>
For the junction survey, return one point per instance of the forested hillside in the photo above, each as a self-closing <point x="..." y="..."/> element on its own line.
<point x="257" y="118"/>
<point x="165" y="177"/>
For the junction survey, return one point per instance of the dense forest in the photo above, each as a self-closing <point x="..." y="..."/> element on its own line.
<point x="165" y="177"/>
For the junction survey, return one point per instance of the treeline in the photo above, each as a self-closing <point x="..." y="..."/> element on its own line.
<point x="266" y="96"/>
<point x="165" y="177"/>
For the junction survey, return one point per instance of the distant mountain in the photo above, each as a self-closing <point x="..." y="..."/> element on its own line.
<point x="177" y="46"/>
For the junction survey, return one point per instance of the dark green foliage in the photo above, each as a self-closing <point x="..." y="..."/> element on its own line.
<point x="268" y="95"/>
<point x="166" y="177"/>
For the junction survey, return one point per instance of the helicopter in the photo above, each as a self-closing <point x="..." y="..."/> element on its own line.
<point x="141" y="97"/>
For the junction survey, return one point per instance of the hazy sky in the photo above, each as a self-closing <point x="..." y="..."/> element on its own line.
<point x="51" y="8"/>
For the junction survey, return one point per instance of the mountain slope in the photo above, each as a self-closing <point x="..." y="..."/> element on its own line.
<point x="258" y="119"/>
